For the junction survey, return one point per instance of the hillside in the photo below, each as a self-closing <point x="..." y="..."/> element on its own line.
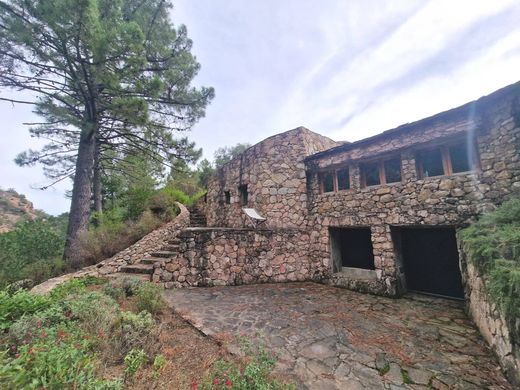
<point x="15" y="207"/>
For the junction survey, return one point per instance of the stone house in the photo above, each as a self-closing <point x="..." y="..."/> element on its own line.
<point x="378" y="215"/>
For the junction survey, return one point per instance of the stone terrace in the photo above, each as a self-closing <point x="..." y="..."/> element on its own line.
<point x="329" y="338"/>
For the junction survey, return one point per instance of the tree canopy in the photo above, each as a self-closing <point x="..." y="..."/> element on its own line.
<point x="109" y="78"/>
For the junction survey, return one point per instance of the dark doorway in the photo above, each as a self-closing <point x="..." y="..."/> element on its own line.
<point x="351" y="247"/>
<point x="431" y="261"/>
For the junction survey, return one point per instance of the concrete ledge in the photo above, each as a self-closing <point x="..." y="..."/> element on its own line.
<point x="358" y="273"/>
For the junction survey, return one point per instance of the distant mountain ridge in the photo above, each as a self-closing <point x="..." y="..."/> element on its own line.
<point x="15" y="207"/>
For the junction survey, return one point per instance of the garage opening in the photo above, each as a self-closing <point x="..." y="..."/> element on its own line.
<point x="351" y="248"/>
<point x="431" y="261"/>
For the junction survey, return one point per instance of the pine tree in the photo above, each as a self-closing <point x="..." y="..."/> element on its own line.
<point x="107" y="76"/>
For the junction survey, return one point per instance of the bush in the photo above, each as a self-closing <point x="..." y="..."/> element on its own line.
<point x="131" y="285"/>
<point x="109" y="238"/>
<point x="32" y="246"/>
<point x="97" y="313"/>
<point x="134" y="331"/>
<point x="493" y="246"/>
<point x="60" y="360"/>
<point x="149" y="298"/>
<point x="22" y="302"/>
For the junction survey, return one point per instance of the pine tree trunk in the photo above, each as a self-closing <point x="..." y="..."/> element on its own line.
<point x="81" y="194"/>
<point x="98" y="202"/>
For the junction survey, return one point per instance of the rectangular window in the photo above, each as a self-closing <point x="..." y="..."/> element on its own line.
<point x="446" y="160"/>
<point x="430" y="163"/>
<point x="227" y="197"/>
<point x="371" y="174"/>
<point x="460" y="158"/>
<point x="242" y="189"/>
<point x="343" y="179"/>
<point x="392" y="170"/>
<point x="327" y="180"/>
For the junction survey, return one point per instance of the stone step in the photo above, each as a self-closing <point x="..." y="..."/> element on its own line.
<point x="151" y="260"/>
<point x="138" y="268"/>
<point x="163" y="254"/>
<point x="175" y="241"/>
<point x="171" y="247"/>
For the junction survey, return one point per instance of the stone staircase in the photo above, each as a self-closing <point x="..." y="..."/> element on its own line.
<point x="144" y="268"/>
<point x="197" y="217"/>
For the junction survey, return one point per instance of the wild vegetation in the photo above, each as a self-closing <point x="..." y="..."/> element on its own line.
<point x="93" y="334"/>
<point x="493" y="245"/>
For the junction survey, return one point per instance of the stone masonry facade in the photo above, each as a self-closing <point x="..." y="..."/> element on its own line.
<point x="440" y="172"/>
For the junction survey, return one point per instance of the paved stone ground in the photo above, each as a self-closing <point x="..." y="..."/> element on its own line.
<point x="330" y="338"/>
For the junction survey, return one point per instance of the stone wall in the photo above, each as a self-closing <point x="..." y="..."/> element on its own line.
<point x="452" y="200"/>
<point x="274" y="173"/>
<point x="491" y="324"/>
<point x="227" y="256"/>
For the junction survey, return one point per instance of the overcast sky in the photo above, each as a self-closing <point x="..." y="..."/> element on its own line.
<point x="347" y="69"/>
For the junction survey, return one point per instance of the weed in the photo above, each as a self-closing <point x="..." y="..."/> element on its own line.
<point x="406" y="377"/>
<point x="158" y="363"/>
<point x="149" y="298"/>
<point x="383" y="370"/>
<point x="133" y="361"/>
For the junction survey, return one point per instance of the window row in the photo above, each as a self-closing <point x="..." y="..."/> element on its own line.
<point x="436" y="161"/>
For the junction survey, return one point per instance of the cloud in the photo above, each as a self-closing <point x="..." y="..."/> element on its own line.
<point x="437" y="39"/>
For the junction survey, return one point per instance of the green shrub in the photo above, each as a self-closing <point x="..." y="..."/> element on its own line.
<point x="149" y="298"/>
<point x="97" y="313"/>
<point x="131" y="285"/>
<point x="493" y="246"/>
<point x="60" y="360"/>
<point x="114" y="292"/>
<point x="22" y="302"/>
<point x="32" y="242"/>
<point x="134" y="331"/>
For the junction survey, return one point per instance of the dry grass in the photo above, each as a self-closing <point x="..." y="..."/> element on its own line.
<point x="189" y="354"/>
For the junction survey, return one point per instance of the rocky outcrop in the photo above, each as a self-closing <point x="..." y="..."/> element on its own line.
<point x="15" y="207"/>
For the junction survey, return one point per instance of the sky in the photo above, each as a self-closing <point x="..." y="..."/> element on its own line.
<point x="347" y="69"/>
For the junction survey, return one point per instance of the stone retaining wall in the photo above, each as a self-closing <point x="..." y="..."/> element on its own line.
<point x="220" y="256"/>
<point x="490" y="322"/>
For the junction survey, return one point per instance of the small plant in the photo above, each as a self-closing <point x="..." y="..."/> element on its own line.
<point x="135" y="331"/>
<point x="149" y="298"/>
<point x="158" y="363"/>
<point x="133" y="361"/>
<point x="255" y="374"/>
<point x="130" y="286"/>
<point x="114" y="292"/>
<point x="406" y="377"/>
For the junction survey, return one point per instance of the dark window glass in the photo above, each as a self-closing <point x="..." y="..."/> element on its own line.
<point x="431" y="162"/>
<point x="328" y="182"/>
<point x="371" y="172"/>
<point x="393" y="170"/>
<point x="343" y="179"/>
<point x="460" y="158"/>
<point x="227" y="196"/>
<point x="243" y="194"/>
